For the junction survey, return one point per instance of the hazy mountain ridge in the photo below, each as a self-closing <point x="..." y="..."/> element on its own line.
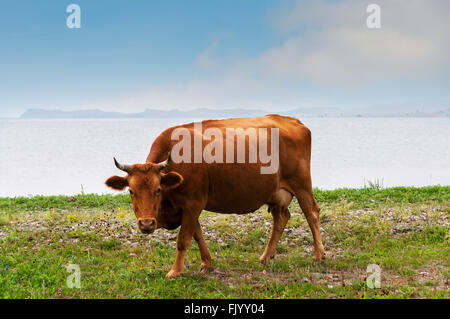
<point x="225" y="113"/>
<point x="172" y="113"/>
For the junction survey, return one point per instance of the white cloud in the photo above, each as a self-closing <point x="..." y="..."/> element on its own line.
<point x="327" y="46"/>
<point x="334" y="44"/>
<point x="206" y="60"/>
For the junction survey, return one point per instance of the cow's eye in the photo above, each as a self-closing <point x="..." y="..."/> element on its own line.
<point x="131" y="192"/>
<point x="158" y="190"/>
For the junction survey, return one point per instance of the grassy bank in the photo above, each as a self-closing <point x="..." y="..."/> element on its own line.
<point x="404" y="230"/>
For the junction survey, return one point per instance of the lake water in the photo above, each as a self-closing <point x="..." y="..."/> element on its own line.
<point x="68" y="156"/>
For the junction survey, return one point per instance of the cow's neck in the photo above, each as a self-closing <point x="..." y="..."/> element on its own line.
<point x="169" y="216"/>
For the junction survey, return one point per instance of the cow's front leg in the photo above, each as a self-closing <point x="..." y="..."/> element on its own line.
<point x="183" y="242"/>
<point x="204" y="252"/>
<point x="189" y="228"/>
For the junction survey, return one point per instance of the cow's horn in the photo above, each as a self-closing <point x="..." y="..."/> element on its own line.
<point x="125" y="168"/>
<point x="164" y="164"/>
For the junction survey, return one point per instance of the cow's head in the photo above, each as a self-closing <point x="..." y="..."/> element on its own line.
<point x="146" y="184"/>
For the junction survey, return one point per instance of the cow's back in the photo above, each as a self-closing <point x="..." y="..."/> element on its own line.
<point x="240" y="187"/>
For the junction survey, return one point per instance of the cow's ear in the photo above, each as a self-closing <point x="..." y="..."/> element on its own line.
<point x="117" y="182"/>
<point x="171" y="180"/>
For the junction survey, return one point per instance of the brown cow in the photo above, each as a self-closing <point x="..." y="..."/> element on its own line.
<point x="166" y="194"/>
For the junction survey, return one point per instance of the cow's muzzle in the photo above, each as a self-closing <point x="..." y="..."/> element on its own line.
<point x="146" y="225"/>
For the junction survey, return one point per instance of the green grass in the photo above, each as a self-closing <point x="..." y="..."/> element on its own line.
<point x="374" y="197"/>
<point x="360" y="198"/>
<point x="404" y="230"/>
<point x="40" y="203"/>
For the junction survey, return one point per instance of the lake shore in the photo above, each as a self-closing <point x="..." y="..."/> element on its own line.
<point x="404" y="230"/>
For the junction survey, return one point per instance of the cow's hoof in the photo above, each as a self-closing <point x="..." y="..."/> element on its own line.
<point x="173" y="274"/>
<point x="265" y="259"/>
<point x="319" y="257"/>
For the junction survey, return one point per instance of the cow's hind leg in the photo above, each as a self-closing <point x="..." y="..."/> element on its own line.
<point x="311" y="210"/>
<point x="204" y="252"/>
<point x="280" y="216"/>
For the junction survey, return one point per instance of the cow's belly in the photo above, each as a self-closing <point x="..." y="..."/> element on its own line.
<point x="239" y="188"/>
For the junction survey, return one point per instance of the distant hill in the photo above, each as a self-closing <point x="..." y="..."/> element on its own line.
<point x="55" y="114"/>
<point x="148" y="113"/>
<point x="173" y="113"/>
<point x="205" y="113"/>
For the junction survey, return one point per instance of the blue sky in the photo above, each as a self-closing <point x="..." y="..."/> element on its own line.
<point x="130" y="55"/>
